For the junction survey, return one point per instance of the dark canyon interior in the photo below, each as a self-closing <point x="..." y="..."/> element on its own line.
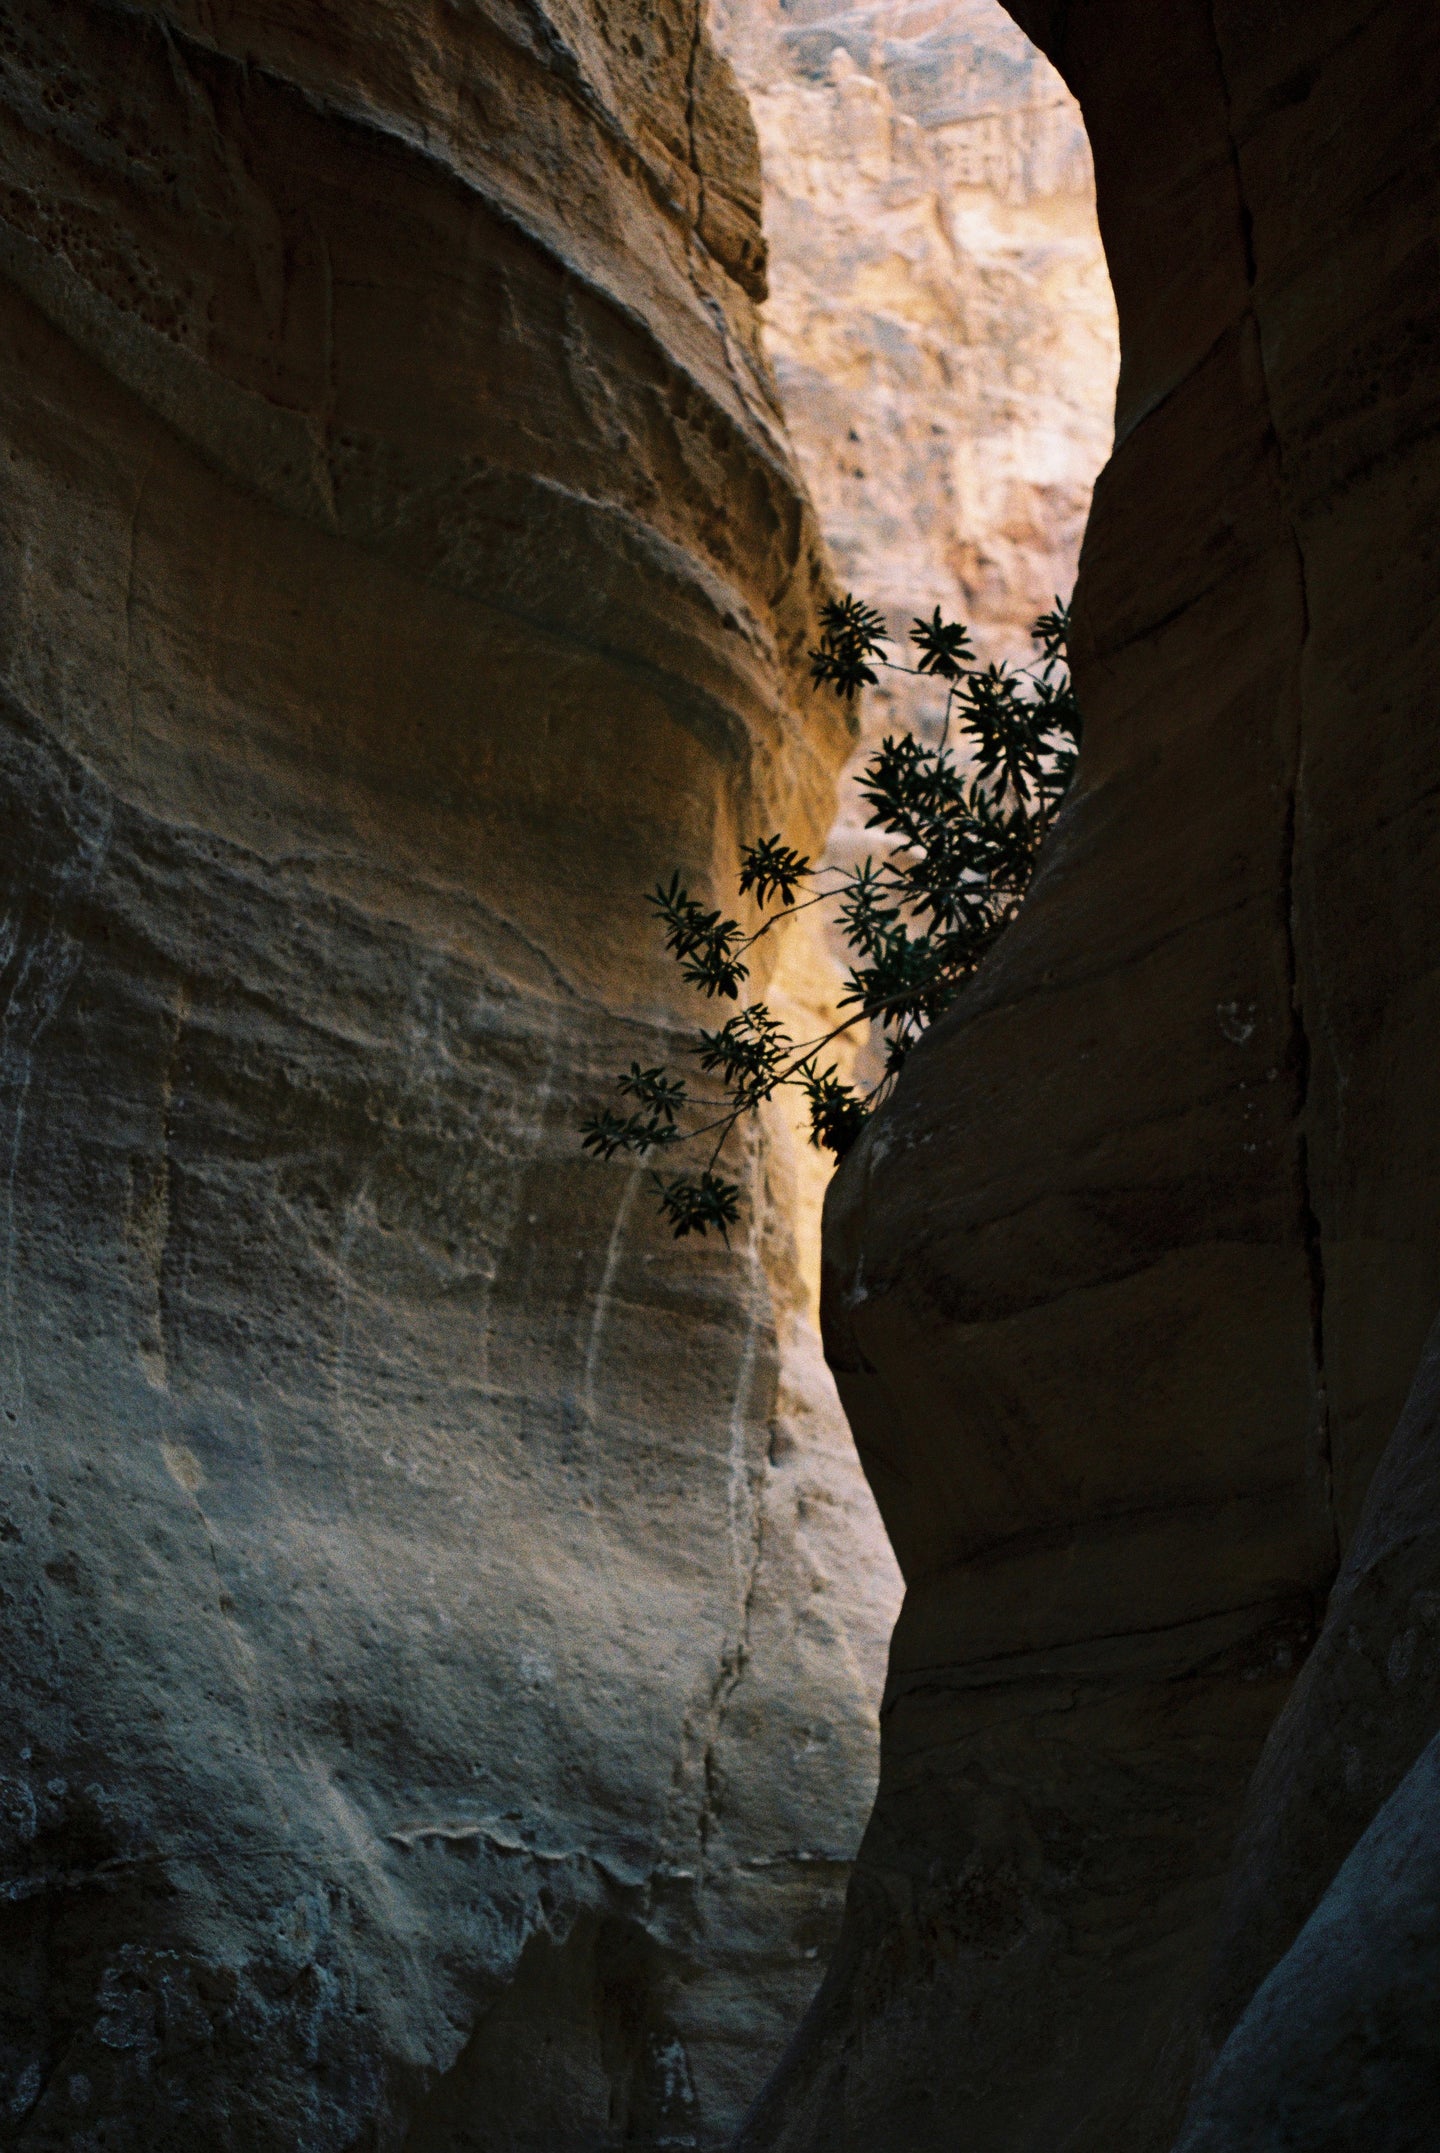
<point x="432" y="1705"/>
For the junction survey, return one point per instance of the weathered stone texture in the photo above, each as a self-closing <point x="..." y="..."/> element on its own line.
<point x="939" y="314"/>
<point x="1126" y="1287"/>
<point x="419" y="1590"/>
<point x="943" y="334"/>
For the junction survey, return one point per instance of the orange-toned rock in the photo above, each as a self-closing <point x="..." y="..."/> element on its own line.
<point x="939" y="313"/>
<point x="1125" y="1288"/>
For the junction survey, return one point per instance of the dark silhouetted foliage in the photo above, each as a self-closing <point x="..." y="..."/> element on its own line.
<point x="966" y="824"/>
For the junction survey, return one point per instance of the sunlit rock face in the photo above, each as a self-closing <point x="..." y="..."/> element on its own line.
<point x="1126" y="1286"/>
<point x="940" y="315"/>
<point x="941" y="324"/>
<point x="442" y="1621"/>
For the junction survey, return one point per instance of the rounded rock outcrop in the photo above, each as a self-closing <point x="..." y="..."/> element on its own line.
<point x="1126" y="1285"/>
<point x="403" y="1558"/>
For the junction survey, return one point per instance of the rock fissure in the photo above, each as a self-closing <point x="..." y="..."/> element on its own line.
<point x="1310" y="1229"/>
<point x="1248" y="1619"/>
<point x="697" y="35"/>
<point x="734" y="1660"/>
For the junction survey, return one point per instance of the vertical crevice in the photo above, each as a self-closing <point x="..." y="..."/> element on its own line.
<point x="742" y="377"/>
<point x="747" y="1539"/>
<point x="1308" y="1220"/>
<point x="691" y="74"/>
<point x="1310" y="1232"/>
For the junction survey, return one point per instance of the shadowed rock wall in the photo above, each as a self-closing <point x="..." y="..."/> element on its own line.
<point x="1125" y="1288"/>
<point x="1320" y="2023"/>
<point x="426" y="1685"/>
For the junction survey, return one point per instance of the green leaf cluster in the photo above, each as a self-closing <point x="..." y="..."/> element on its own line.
<point x="965" y="825"/>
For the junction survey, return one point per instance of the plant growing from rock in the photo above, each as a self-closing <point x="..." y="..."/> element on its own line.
<point x="965" y="832"/>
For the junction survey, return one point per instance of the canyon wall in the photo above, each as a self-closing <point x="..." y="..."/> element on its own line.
<point x="943" y="333"/>
<point x="1320" y="2027"/>
<point x="939" y="313"/>
<point x="1127" y="1285"/>
<point x="441" y="1630"/>
<point x="939" y="316"/>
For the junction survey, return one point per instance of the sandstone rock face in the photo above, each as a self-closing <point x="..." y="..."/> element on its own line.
<point x="1363" y="1709"/>
<point x="943" y="333"/>
<point x="940" y="317"/>
<point x="1127" y="1286"/>
<point x="429" y="1681"/>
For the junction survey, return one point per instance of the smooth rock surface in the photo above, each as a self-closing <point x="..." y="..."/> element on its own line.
<point x="1126" y="1287"/>
<point x="1339" y="2052"/>
<point x="1366" y="1704"/>
<point x="441" y="1632"/>
<point x="1335" y="1978"/>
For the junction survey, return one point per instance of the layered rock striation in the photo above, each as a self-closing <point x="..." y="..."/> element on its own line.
<point x="427" y="1685"/>
<point x="1126" y="1287"/>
